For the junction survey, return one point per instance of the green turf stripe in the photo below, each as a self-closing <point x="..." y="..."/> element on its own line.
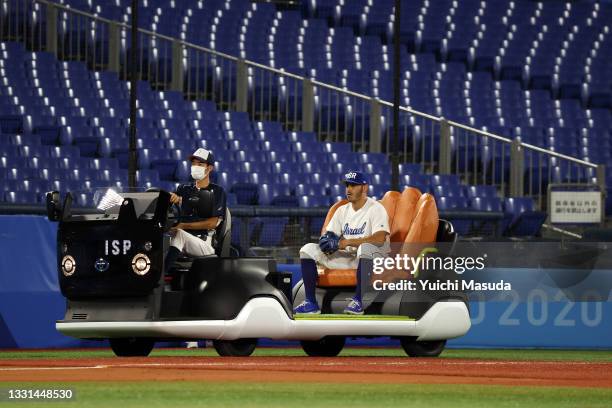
<point x="306" y="316"/>
<point x="192" y="394"/>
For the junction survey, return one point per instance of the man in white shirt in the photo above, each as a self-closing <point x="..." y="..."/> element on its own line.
<point x="358" y="231"/>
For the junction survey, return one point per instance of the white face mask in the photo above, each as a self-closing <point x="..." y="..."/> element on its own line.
<point x="198" y="172"/>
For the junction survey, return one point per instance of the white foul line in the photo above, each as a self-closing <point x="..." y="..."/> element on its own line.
<point x="52" y="368"/>
<point x="230" y="365"/>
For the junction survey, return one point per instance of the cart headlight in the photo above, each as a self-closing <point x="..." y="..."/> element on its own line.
<point x="141" y="264"/>
<point x="68" y="265"/>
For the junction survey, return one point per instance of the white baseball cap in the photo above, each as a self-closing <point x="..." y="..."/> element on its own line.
<point x="203" y="155"/>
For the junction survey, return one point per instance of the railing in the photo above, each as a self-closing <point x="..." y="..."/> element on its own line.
<point x="299" y="103"/>
<point x="515" y="167"/>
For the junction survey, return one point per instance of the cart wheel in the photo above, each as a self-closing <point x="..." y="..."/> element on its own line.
<point x="132" y="347"/>
<point x="329" y="346"/>
<point x="235" y="348"/>
<point x="422" y="348"/>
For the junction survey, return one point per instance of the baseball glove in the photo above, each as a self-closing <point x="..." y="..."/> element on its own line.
<point x="329" y="243"/>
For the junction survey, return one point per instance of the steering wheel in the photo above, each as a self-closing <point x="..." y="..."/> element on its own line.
<point x="174" y="211"/>
<point x="174" y="214"/>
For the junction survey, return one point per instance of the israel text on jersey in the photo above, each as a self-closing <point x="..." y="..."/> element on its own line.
<point x="347" y="230"/>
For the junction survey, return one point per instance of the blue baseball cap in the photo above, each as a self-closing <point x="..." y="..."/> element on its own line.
<point x="355" y="177"/>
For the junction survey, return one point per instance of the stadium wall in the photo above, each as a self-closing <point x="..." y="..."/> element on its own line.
<point x="30" y="303"/>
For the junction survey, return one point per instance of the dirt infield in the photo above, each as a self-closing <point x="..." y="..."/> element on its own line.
<point x="370" y="370"/>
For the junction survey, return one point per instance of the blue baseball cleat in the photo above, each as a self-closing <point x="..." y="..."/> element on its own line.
<point x="354" y="307"/>
<point x="307" y="307"/>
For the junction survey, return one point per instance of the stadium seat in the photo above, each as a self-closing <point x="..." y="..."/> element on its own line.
<point x="246" y="193"/>
<point x="488" y="204"/>
<point x="271" y="231"/>
<point x="22" y="197"/>
<point x="267" y="192"/>
<point x="285" y="201"/>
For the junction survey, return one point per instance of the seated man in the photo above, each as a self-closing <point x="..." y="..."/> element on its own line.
<point x="194" y="235"/>
<point x="357" y="232"/>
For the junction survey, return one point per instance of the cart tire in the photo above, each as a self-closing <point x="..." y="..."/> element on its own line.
<point x="235" y="348"/>
<point x="132" y="347"/>
<point x="329" y="346"/>
<point x="422" y="348"/>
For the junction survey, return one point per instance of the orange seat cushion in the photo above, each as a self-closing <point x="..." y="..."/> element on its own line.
<point x="425" y="223"/>
<point x="404" y="214"/>
<point x="337" y="277"/>
<point x="389" y="201"/>
<point x="329" y="278"/>
<point x="331" y="213"/>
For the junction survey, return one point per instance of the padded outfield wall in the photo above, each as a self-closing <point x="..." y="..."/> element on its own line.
<point x="30" y="303"/>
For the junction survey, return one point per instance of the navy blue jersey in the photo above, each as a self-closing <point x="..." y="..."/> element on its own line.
<point x="190" y="213"/>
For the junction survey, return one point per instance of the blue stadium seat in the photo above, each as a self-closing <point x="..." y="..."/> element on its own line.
<point x="486" y="204"/>
<point x="419" y="181"/>
<point x="22" y="197"/>
<point x="285" y="201"/>
<point x="409" y="168"/>
<point x="310" y="201"/>
<point x="50" y="135"/>
<point x="272" y="231"/>
<point x="444" y="180"/>
<point x="147" y="176"/>
<point x="83" y="199"/>
<point x="20" y="174"/>
<point x="449" y="190"/>
<point x="166" y="168"/>
<point x="452" y="203"/>
<point x="11" y="124"/>
<point x="246" y="193"/>
<point x="481" y="191"/>
<point x="88" y="146"/>
<point x="310" y="190"/>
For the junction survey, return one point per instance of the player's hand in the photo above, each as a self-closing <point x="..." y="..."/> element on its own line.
<point x="175" y="199"/>
<point x="343" y="243"/>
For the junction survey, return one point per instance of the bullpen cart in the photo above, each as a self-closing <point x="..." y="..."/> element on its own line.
<point x="110" y="268"/>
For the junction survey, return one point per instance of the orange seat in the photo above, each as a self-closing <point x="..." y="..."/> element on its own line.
<point x="425" y="223"/>
<point x="404" y="214"/>
<point x="336" y="277"/>
<point x="413" y="218"/>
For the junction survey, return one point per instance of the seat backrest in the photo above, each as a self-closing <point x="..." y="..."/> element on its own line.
<point x="330" y="214"/>
<point x="425" y="223"/>
<point x="401" y="208"/>
<point x="404" y="214"/>
<point x="389" y="201"/>
<point x="224" y="235"/>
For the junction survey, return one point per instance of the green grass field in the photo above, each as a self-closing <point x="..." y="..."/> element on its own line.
<point x="198" y="394"/>
<point x="511" y="354"/>
<point x="274" y="394"/>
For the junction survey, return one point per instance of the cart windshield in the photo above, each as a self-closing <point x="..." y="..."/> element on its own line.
<point x="104" y="199"/>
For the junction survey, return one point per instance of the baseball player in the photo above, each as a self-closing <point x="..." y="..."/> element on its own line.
<point x="357" y="232"/>
<point x="194" y="235"/>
